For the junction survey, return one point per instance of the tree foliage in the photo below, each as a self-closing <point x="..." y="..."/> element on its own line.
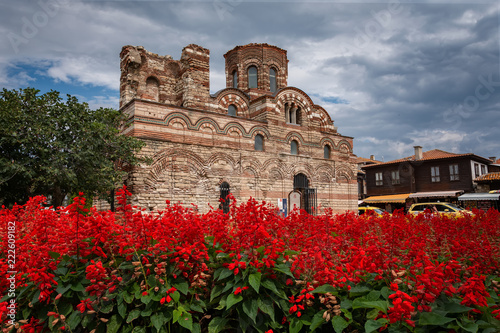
<point x="56" y="148"/>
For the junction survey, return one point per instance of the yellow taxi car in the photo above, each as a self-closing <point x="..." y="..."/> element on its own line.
<point x="438" y="208"/>
<point x="370" y="210"/>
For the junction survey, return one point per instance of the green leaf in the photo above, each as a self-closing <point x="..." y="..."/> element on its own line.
<point x="373" y="295"/>
<point x="225" y="272"/>
<point x="216" y="291"/>
<point x="359" y="290"/>
<point x="269" y="284"/>
<point x="158" y="319"/>
<point x="232" y="299"/>
<point x="266" y="306"/>
<point x="295" y="326"/>
<point x="217" y="324"/>
<point x="196" y="328"/>
<point x="317" y="321"/>
<point x="177" y="315"/>
<point x="176" y="296"/>
<point x="182" y="287"/>
<point x="129" y="298"/>
<point x="385" y="291"/>
<point x="254" y="281"/>
<point x="134" y="314"/>
<point x="74" y="319"/>
<point x="373" y="325"/>
<point x="186" y="321"/>
<point x="114" y="324"/>
<point x="196" y="307"/>
<point x="339" y="324"/>
<point x="469" y="327"/>
<point x="122" y="310"/>
<point x="431" y="318"/>
<point x="379" y="305"/>
<point x="139" y="329"/>
<point x="326" y="288"/>
<point x="54" y="255"/>
<point x="346" y="304"/>
<point x="251" y="308"/>
<point x="452" y="307"/>
<point x="77" y="286"/>
<point x="107" y="308"/>
<point x="146" y="299"/>
<point x="146" y="313"/>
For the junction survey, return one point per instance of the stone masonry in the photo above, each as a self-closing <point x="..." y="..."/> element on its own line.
<point x="197" y="143"/>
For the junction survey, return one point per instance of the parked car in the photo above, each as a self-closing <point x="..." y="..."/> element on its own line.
<point x="438" y="208"/>
<point x="370" y="210"/>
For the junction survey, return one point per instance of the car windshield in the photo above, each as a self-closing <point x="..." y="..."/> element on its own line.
<point x="455" y="206"/>
<point x="379" y="211"/>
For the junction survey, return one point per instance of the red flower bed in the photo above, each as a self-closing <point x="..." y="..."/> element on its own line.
<point x="177" y="270"/>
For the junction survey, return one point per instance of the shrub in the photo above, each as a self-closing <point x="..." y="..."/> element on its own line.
<point x="250" y="270"/>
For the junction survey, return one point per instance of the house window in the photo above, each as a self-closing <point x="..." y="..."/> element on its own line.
<point x="483" y="169"/>
<point x="454" y="172"/>
<point x="259" y="142"/>
<point x="224" y="200"/>
<point x="231" y="110"/>
<point x="252" y="77"/>
<point x="378" y="179"/>
<point x="294" y="148"/>
<point x="395" y="177"/>
<point x="435" y="175"/>
<point x="235" y="79"/>
<point x="326" y="152"/>
<point x="476" y="170"/>
<point x="272" y="79"/>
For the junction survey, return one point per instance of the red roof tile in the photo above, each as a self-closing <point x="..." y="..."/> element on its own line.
<point x="431" y="155"/>
<point x="367" y="160"/>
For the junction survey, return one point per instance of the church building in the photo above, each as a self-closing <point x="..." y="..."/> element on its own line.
<point x="257" y="137"/>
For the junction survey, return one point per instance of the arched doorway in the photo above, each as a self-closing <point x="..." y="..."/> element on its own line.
<point x="308" y="197"/>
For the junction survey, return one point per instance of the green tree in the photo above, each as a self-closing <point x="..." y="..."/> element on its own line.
<point x="53" y="147"/>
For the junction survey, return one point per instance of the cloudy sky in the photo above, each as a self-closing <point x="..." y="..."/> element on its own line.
<point x="391" y="74"/>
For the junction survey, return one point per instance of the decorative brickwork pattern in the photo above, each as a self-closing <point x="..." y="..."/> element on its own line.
<point x="196" y="145"/>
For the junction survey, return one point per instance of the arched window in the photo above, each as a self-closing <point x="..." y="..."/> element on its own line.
<point x="224" y="200"/>
<point x="231" y="110"/>
<point x="326" y="152"/>
<point x="252" y="77"/>
<point x="292" y="114"/>
<point x="259" y="142"/>
<point x="272" y="79"/>
<point x="294" y="147"/>
<point x="235" y="79"/>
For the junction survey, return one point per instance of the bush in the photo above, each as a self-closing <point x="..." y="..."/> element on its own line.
<point x="250" y="270"/>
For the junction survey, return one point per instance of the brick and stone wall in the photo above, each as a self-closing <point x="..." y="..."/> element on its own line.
<point x="196" y="145"/>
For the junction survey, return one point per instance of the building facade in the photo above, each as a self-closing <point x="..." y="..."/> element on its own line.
<point x="433" y="175"/>
<point x="257" y="137"/>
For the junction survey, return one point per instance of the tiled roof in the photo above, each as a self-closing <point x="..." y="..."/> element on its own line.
<point x="434" y="154"/>
<point x="488" y="176"/>
<point x="366" y="160"/>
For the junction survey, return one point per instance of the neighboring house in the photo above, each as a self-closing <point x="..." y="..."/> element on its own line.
<point x="425" y="176"/>
<point x="361" y="161"/>
<point x="257" y="137"/>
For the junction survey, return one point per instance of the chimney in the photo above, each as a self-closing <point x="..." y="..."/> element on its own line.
<point x="418" y="153"/>
<point x="372" y="157"/>
<point x="493" y="158"/>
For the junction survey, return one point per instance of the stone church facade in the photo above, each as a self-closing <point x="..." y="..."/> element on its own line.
<point x="255" y="138"/>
